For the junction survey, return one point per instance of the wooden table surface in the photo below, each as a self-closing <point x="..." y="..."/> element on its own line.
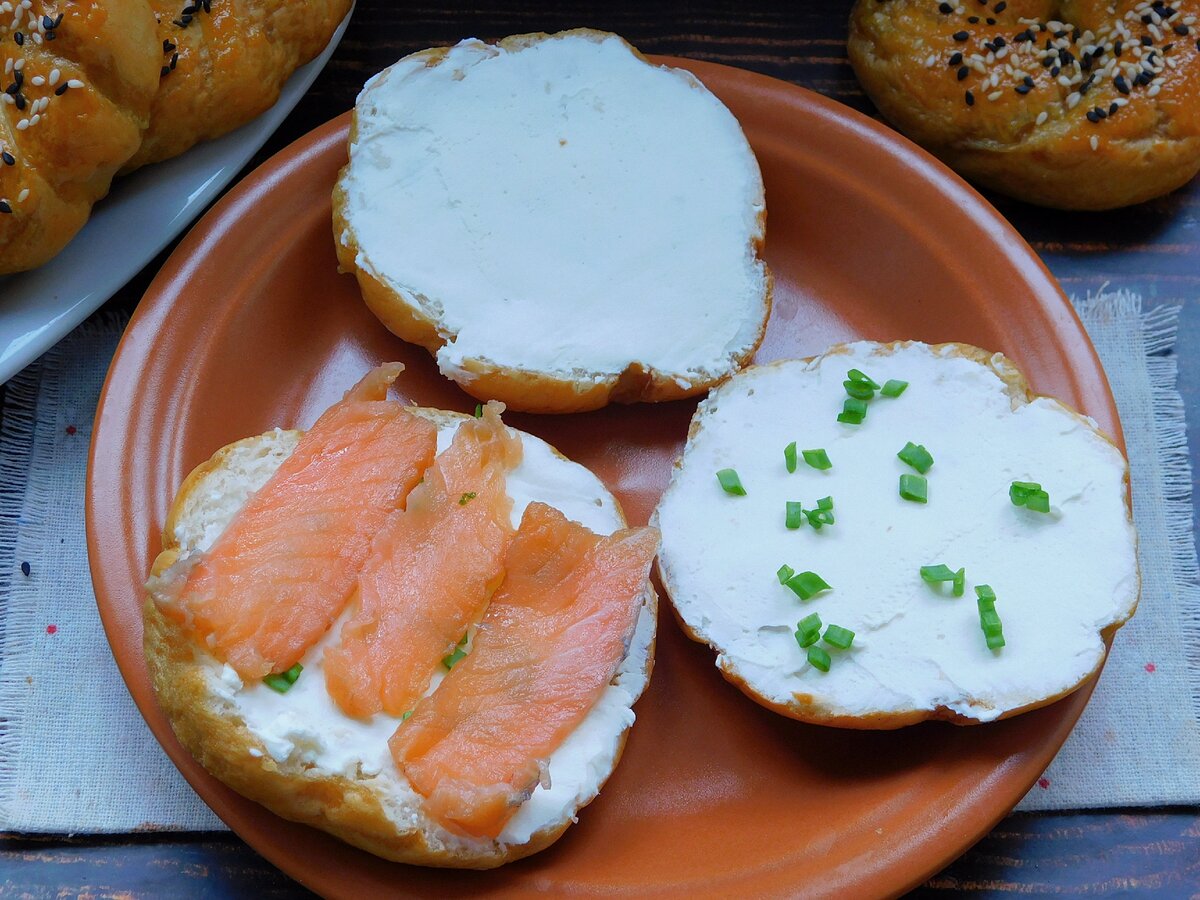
<point x="1153" y="248"/>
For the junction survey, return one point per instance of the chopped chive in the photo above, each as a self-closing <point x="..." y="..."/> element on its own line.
<point x="960" y="582"/>
<point x="479" y="410"/>
<point x="818" y="459"/>
<point x="283" y="681"/>
<point x="808" y="630"/>
<point x="807" y="585"/>
<point x="939" y="573"/>
<point x="986" y="597"/>
<point x="1030" y="495"/>
<point x="730" y="482"/>
<point x="458" y="654"/>
<point x="789" y="456"/>
<point x="404" y="718"/>
<point x="818" y="658"/>
<point x="916" y="456"/>
<point x="861" y="378"/>
<point x="825" y="503"/>
<point x="893" y="388"/>
<point x="989" y="621"/>
<point x="859" y="390"/>
<point x="914" y="488"/>
<point x="995" y="642"/>
<point x="785" y="572"/>
<point x="837" y="636"/>
<point x="794" y="516"/>
<point x="1038" y="501"/>
<point x="467" y="498"/>
<point x="818" y="517"/>
<point x="853" y="412"/>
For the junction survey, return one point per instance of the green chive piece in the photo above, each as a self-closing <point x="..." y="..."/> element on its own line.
<point x="818" y="517"/>
<point x="479" y="410"/>
<point x="404" y="718"/>
<point x="730" y="482"/>
<point x="989" y="621"/>
<point x="808" y="631"/>
<point x="837" y="636"/>
<point x="914" y="488"/>
<point x="853" y="412"/>
<point x="467" y="498"/>
<point x="825" y="503"/>
<point x="789" y="456"/>
<point x="859" y="390"/>
<point x="960" y="582"/>
<point x="995" y="642"/>
<point x="937" y="574"/>
<point x="818" y="658"/>
<point x="794" y="517"/>
<point x="986" y="597"/>
<point x="1038" y="501"/>
<point x="861" y="378"/>
<point x="916" y="456"/>
<point x="458" y="654"/>
<point x="283" y="681"/>
<point x="818" y="459"/>
<point x="785" y="572"/>
<point x="1019" y="491"/>
<point x="807" y="585"/>
<point x="893" y="388"/>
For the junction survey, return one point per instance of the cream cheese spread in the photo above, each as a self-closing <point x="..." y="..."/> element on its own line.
<point x="1060" y="578"/>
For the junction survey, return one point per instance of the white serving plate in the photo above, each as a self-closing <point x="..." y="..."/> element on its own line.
<point x="144" y="212"/>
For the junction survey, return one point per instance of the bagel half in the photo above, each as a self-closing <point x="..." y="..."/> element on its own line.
<point x="1064" y="580"/>
<point x="560" y="222"/>
<point x="299" y="756"/>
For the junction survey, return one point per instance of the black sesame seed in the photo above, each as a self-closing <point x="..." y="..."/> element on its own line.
<point x="970" y="98"/>
<point x="1117" y="48"/>
<point x="1167" y="48"/>
<point x="5" y="208"/>
<point x="13" y="89"/>
<point x="990" y="21"/>
<point x="961" y="35"/>
<point x="58" y="20"/>
<point x="1146" y="42"/>
<point x="999" y="42"/>
<point x="189" y="9"/>
<point x="61" y="89"/>
<point x="47" y="23"/>
<point x="1023" y="89"/>
<point x="1182" y="30"/>
<point x="1147" y="19"/>
<point x="1054" y="72"/>
<point x="51" y="35"/>
<point x="945" y="9"/>
<point x="956" y="58"/>
<point x="1000" y="7"/>
<point x="973" y="20"/>
<point x="19" y="38"/>
<point x="1092" y="117"/>
<point x="1028" y="79"/>
<point x="1121" y="84"/>
<point x="963" y="72"/>
<point x="1113" y="107"/>
<point x="18" y="78"/>
<point x="20" y="100"/>
<point x="1198" y="45"/>
<point x="164" y="71"/>
<point x="174" y="60"/>
<point x="1101" y="112"/>
<point x="8" y="158"/>
<point x="25" y="570"/>
<point x="168" y="46"/>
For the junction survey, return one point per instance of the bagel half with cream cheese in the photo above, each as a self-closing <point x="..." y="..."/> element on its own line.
<point x="299" y="755"/>
<point x="862" y="553"/>
<point x="559" y="221"/>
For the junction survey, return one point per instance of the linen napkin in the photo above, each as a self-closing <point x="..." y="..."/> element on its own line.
<point x="75" y="755"/>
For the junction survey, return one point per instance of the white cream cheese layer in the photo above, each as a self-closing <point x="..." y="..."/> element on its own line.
<point x="562" y="207"/>
<point x="305" y="727"/>
<point x="1059" y="578"/>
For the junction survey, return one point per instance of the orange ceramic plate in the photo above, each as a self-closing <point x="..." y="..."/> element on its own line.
<point x="249" y="325"/>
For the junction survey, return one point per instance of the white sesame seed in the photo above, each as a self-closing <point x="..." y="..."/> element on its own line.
<point x="75" y="84"/>
<point x="22" y="125"/>
<point x="24" y="194"/>
<point x="1156" y="31"/>
<point x="54" y="76"/>
<point x="1001" y="53"/>
<point x="1042" y="117"/>
<point x="1121" y="101"/>
<point x="995" y="95"/>
<point x="1072" y="99"/>
<point x="1095" y="142"/>
<point x="930" y="60"/>
<point x="1064" y="81"/>
<point x="7" y="98"/>
<point x="19" y="64"/>
<point x="37" y="80"/>
<point x="1154" y="89"/>
<point x="8" y="64"/>
<point x="34" y="119"/>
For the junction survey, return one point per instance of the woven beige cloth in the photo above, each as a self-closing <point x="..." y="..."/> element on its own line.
<point x="75" y="755"/>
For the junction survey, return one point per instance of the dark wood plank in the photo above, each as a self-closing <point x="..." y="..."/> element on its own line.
<point x="1154" y="248"/>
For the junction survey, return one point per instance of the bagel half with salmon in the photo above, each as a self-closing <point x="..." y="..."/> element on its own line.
<point x="891" y="533"/>
<point x="420" y="631"/>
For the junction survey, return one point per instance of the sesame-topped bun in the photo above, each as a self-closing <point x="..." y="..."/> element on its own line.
<point x="943" y="544"/>
<point x="224" y="63"/>
<point x="560" y="222"/>
<point x="78" y="80"/>
<point x="1081" y="105"/>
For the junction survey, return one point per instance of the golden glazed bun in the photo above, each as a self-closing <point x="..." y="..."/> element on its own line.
<point x="1086" y="104"/>
<point x="224" y="63"/>
<point x="78" y="80"/>
<point x="1064" y="580"/>
<point x="299" y="756"/>
<point x="521" y="211"/>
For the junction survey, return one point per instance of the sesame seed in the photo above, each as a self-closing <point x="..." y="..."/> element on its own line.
<point x="54" y="76"/>
<point x="963" y="71"/>
<point x="5" y="208"/>
<point x="1092" y="117"/>
<point x="22" y="124"/>
<point x="955" y="58"/>
<point x="1023" y="89"/>
<point x="23" y="195"/>
<point x="8" y="158"/>
<point x="34" y="119"/>
<point x="1042" y="117"/>
<point x="1000" y="7"/>
<point x="1153" y="91"/>
<point x="1095" y="142"/>
<point x="37" y="80"/>
<point x="961" y="35"/>
<point x="970" y="98"/>
<point x="1181" y="30"/>
<point x="945" y="9"/>
<point x="74" y="84"/>
<point x="61" y="89"/>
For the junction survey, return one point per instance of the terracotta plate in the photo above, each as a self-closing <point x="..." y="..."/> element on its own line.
<point x="249" y="325"/>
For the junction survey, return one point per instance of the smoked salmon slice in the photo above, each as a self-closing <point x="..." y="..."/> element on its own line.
<point x="431" y="572"/>
<point x="274" y="581"/>
<point x="553" y="638"/>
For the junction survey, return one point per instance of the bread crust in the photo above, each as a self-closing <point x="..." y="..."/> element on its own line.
<point x="525" y="390"/>
<point x="221" y="742"/>
<point x="807" y="708"/>
<point x="1144" y="150"/>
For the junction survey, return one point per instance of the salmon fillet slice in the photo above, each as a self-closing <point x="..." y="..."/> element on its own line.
<point x="274" y="581"/>
<point x="552" y="640"/>
<point x="431" y="572"/>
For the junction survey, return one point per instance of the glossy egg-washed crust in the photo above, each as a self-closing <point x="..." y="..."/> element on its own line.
<point x="62" y="163"/>
<point x="807" y="708"/>
<point x="521" y="389"/>
<point x="1143" y="149"/>
<point x="219" y="740"/>
<point x="225" y="63"/>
